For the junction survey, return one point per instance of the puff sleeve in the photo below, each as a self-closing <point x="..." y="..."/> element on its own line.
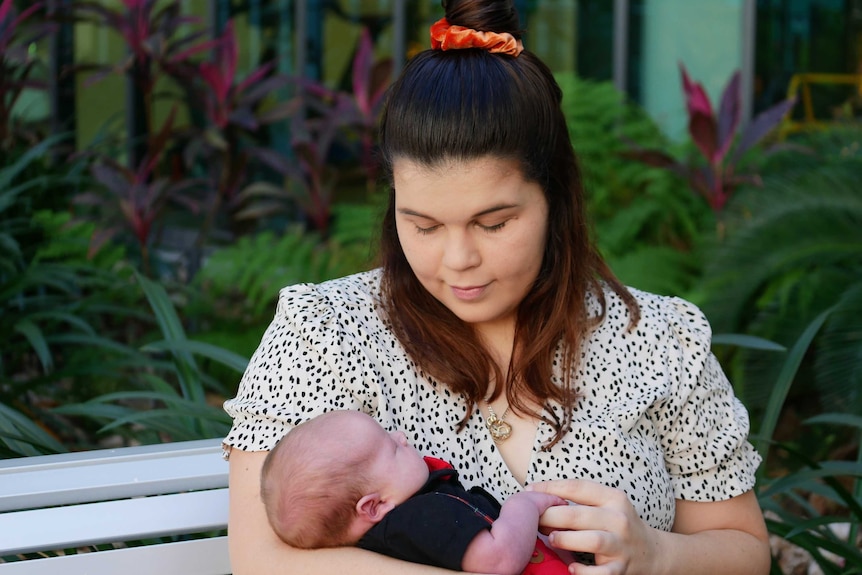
<point x="703" y="426"/>
<point x="308" y="362"/>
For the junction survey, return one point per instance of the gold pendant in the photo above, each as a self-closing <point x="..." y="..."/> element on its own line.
<point x="499" y="429"/>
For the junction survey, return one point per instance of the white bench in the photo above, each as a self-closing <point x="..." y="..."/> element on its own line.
<point x="164" y="507"/>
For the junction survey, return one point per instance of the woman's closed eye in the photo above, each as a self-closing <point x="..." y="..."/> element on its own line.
<point x="426" y="230"/>
<point x="492" y="228"/>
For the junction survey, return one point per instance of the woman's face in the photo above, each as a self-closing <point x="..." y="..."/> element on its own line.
<point x="474" y="234"/>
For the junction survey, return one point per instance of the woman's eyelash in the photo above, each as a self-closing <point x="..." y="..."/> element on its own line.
<point x="494" y="228"/>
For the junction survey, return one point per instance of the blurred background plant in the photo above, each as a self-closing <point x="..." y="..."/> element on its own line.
<point x="136" y="277"/>
<point x="717" y="170"/>
<point x="648" y="224"/>
<point x="18" y="31"/>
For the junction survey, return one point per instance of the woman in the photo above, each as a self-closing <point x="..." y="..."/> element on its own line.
<point x="496" y="337"/>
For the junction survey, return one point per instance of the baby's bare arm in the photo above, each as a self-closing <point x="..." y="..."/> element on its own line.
<point x="508" y="545"/>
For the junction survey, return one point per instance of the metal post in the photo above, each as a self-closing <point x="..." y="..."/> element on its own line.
<point x="621" y="44"/>
<point x="300" y="22"/>
<point x="254" y="34"/>
<point x="399" y="36"/>
<point x="749" y="43"/>
<point x="61" y="87"/>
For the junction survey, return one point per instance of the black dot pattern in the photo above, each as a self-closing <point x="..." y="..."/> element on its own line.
<point x="656" y="417"/>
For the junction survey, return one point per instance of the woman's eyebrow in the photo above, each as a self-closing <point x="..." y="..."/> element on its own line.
<point x="491" y="210"/>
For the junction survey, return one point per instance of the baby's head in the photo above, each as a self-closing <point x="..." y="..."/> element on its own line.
<point x="333" y="477"/>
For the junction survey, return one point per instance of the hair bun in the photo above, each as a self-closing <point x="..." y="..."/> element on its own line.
<point x="486" y="15"/>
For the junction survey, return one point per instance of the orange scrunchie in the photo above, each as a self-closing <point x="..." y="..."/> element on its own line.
<point x="447" y="37"/>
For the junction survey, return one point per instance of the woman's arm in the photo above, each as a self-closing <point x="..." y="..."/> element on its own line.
<point x="256" y="550"/>
<point x="709" y="538"/>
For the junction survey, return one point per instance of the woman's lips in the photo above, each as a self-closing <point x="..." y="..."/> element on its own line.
<point x="468" y="293"/>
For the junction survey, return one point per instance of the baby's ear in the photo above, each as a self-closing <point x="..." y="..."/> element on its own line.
<point x="372" y="508"/>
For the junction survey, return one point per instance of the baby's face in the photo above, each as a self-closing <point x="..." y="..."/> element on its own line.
<point x="395" y="466"/>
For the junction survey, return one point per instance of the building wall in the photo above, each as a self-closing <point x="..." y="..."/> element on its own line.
<point x="704" y="35"/>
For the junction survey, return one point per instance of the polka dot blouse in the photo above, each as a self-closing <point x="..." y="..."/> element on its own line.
<point x="656" y="417"/>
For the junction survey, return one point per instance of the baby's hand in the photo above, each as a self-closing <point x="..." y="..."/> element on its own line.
<point x="542" y="501"/>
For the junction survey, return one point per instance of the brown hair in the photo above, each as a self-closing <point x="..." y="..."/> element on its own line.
<point x="463" y="105"/>
<point x="310" y="500"/>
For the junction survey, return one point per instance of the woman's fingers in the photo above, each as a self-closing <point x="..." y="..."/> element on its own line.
<point x="582" y="491"/>
<point x="595" y="542"/>
<point x="583" y="517"/>
<point x="601" y="521"/>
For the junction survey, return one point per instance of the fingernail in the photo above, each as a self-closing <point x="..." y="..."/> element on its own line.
<point x="528" y="487"/>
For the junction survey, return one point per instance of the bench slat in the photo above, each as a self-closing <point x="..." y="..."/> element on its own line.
<point x="199" y="557"/>
<point x="112" y="521"/>
<point x="111" y="474"/>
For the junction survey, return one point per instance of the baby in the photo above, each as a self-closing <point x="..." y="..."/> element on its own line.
<point x="341" y="479"/>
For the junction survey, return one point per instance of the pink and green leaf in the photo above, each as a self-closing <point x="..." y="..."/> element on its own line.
<point x="762" y="125"/>
<point x="729" y="114"/>
<point x="696" y="98"/>
<point x="362" y="63"/>
<point x="704" y="133"/>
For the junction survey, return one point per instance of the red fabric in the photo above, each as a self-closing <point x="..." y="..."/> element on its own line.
<point x="447" y="37"/>
<point x="434" y="464"/>
<point x="546" y="562"/>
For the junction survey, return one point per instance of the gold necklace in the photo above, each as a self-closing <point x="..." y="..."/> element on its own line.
<point x="497" y="426"/>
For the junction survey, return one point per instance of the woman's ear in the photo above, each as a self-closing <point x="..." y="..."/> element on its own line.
<point x="372" y="508"/>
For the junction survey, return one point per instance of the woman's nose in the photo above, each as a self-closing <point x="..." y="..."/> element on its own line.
<point x="399" y="437"/>
<point x="461" y="251"/>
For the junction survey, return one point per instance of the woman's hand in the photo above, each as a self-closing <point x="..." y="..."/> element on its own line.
<point x="602" y="521"/>
<point x="726" y="537"/>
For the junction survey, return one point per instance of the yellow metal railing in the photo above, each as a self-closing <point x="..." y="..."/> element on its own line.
<point x="803" y="82"/>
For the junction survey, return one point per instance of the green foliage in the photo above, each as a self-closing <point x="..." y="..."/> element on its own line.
<point x="46" y="298"/>
<point x="167" y="396"/>
<point x="647" y="223"/>
<point x="818" y="529"/>
<point x="71" y="330"/>
<point x="793" y="250"/>
<point x="249" y="273"/>
<point x="787" y="495"/>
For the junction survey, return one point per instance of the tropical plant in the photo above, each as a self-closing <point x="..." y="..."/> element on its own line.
<point x="51" y="303"/>
<point x="250" y="272"/>
<point x="369" y="81"/>
<point x="793" y="250"/>
<point x="812" y="506"/>
<point x="134" y="200"/>
<point x="324" y="119"/>
<point x="167" y="396"/>
<point x="816" y="504"/>
<point x="17" y="33"/>
<point x="648" y="224"/>
<point x="719" y="171"/>
<point x="198" y="168"/>
<point x="236" y="112"/>
<point x="158" y="48"/>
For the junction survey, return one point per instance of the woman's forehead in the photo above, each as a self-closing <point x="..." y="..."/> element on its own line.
<point x="409" y="168"/>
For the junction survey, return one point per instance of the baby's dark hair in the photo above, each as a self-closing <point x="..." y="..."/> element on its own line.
<point x="310" y="500"/>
